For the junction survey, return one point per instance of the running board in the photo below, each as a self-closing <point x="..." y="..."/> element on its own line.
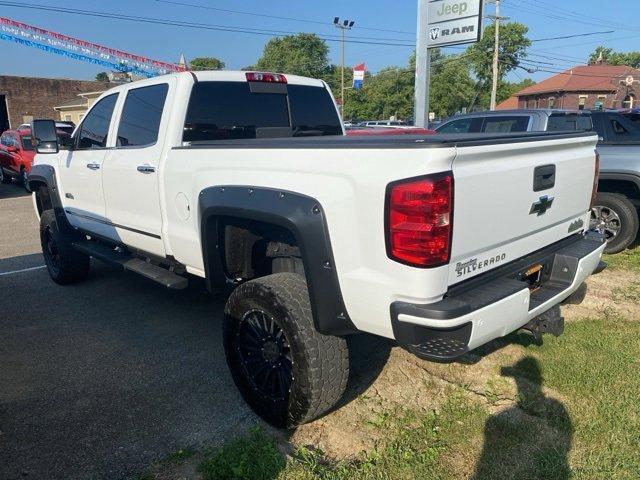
<point x="127" y="262"/>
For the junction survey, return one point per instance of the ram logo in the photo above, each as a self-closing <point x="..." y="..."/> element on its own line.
<point x="434" y="33"/>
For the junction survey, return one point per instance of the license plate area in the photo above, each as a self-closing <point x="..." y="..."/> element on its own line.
<point x="533" y="276"/>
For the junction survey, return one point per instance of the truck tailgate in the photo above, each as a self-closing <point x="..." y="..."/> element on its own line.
<point x="515" y="198"/>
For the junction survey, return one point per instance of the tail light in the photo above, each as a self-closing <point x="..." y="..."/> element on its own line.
<point x="265" y="77"/>
<point x="419" y="220"/>
<point x="596" y="177"/>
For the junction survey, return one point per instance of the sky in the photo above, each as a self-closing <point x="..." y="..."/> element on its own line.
<point x="376" y="22"/>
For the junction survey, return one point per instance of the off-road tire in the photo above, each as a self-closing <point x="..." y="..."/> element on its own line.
<point x="65" y="264"/>
<point x="628" y="216"/>
<point x="319" y="363"/>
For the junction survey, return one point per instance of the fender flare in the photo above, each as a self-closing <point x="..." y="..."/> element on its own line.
<point x="46" y="174"/>
<point x="304" y="217"/>
<point x="622" y="177"/>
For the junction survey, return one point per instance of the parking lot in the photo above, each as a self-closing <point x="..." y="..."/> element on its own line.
<point x="102" y="378"/>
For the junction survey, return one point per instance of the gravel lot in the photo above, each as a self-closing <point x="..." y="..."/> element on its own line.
<point x="98" y="380"/>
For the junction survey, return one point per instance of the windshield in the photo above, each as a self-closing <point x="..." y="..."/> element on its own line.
<point x="231" y="110"/>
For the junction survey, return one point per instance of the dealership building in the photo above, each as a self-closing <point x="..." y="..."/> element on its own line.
<point x="582" y="87"/>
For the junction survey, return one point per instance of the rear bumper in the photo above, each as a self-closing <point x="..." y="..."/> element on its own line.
<point x="495" y="303"/>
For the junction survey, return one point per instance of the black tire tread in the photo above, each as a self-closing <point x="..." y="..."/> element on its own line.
<point x="321" y="367"/>
<point x="628" y="217"/>
<point x="74" y="264"/>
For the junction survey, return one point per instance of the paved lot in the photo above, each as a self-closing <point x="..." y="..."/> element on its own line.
<point x="97" y="380"/>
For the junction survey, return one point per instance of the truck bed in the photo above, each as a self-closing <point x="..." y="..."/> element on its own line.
<point x="387" y="141"/>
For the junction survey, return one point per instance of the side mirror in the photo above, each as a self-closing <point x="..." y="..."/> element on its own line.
<point x="45" y="139"/>
<point x="11" y="149"/>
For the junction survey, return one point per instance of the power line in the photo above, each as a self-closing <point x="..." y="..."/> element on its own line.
<point x="277" y="17"/>
<point x="572" y="14"/>
<point x="184" y="24"/>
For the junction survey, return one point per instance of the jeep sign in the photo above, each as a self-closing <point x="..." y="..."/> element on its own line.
<point x="451" y="22"/>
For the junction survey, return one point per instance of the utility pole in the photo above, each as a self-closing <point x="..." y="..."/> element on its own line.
<point x="344" y="26"/>
<point x="423" y="67"/>
<point x="496" y="53"/>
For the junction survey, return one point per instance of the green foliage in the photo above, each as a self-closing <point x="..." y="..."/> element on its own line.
<point x="513" y="49"/>
<point x="102" y="77"/>
<point x="611" y="57"/>
<point x="253" y="457"/>
<point x="206" y="63"/>
<point x="452" y="87"/>
<point x="301" y="54"/>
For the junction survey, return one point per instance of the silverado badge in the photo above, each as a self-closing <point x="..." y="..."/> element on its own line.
<point x="541" y="206"/>
<point x="576" y="225"/>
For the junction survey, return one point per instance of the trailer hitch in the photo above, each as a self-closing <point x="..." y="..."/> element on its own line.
<point x="548" y="322"/>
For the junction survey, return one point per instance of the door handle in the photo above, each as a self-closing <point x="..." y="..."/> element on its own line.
<point x="146" y="168"/>
<point x="93" y="166"/>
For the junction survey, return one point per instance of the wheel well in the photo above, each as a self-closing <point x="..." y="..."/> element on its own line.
<point x="43" y="197"/>
<point x="624" y="187"/>
<point x="252" y="249"/>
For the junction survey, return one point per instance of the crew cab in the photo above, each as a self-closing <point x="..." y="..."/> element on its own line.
<point x="246" y="179"/>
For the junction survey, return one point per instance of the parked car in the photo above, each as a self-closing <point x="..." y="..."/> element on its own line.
<point x="509" y="121"/>
<point x="439" y="242"/>
<point x="16" y="156"/>
<point x="389" y="131"/>
<point x="383" y="124"/>
<point x="615" y="212"/>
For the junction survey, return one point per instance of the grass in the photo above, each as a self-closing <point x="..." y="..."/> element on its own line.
<point x="628" y="259"/>
<point x="576" y="415"/>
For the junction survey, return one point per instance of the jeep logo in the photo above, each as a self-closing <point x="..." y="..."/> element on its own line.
<point x="457" y="9"/>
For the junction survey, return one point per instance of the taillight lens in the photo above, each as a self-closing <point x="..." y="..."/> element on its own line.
<point x="419" y="217"/>
<point x="596" y="177"/>
<point x="265" y="77"/>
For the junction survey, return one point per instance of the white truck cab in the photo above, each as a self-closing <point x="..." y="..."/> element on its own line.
<point x="246" y="179"/>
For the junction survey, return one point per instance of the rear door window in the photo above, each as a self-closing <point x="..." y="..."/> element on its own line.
<point x="505" y="124"/>
<point x="560" y="122"/>
<point x="230" y="110"/>
<point x="621" y="129"/>
<point x="141" y="115"/>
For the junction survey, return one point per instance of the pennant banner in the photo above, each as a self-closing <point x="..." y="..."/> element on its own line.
<point x="60" y="44"/>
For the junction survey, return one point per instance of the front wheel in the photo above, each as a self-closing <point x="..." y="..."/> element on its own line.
<point x="65" y="264"/>
<point x="24" y="178"/>
<point x="4" y="178"/>
<point x="616" y="217"/>
<point x="286" y="371"/>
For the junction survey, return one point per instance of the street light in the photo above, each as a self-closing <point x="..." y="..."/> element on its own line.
<point x="345" y="25"/>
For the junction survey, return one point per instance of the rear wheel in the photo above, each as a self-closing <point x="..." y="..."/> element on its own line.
<point x="616" y="217"/>
<point x="286" y="371"/>
<point x="65" y="264"/>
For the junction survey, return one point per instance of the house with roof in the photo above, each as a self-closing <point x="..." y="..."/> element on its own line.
<point x="597" y="86"/>
<point x="74" y="110"/>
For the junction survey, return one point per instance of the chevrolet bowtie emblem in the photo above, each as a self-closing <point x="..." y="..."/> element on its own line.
<point x="541" y="206"/>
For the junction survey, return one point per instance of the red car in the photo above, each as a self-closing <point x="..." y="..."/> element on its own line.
<point x="16" y="155"/>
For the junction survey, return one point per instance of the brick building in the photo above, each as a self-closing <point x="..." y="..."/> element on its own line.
<point x="582" y="87"/>
<point x="23" y="98"/>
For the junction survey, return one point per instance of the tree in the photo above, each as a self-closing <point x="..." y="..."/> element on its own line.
<point x="452" y="87"/>
<point x="512" y="50"/>
<point x="610" y="57"/>
<point x="102" y="77"/>
<point x="206" y="63"/>
<point x="301" y="54"/>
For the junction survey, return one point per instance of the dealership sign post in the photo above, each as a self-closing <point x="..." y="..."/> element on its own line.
<point x="441" y="23"/>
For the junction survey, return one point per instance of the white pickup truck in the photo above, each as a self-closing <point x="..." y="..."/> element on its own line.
<point x="246" y="179"/>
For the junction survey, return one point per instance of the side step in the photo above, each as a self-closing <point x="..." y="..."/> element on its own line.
<point x="127" y="262"/>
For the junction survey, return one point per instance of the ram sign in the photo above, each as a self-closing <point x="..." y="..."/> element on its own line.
<point x="451" y="22"/>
